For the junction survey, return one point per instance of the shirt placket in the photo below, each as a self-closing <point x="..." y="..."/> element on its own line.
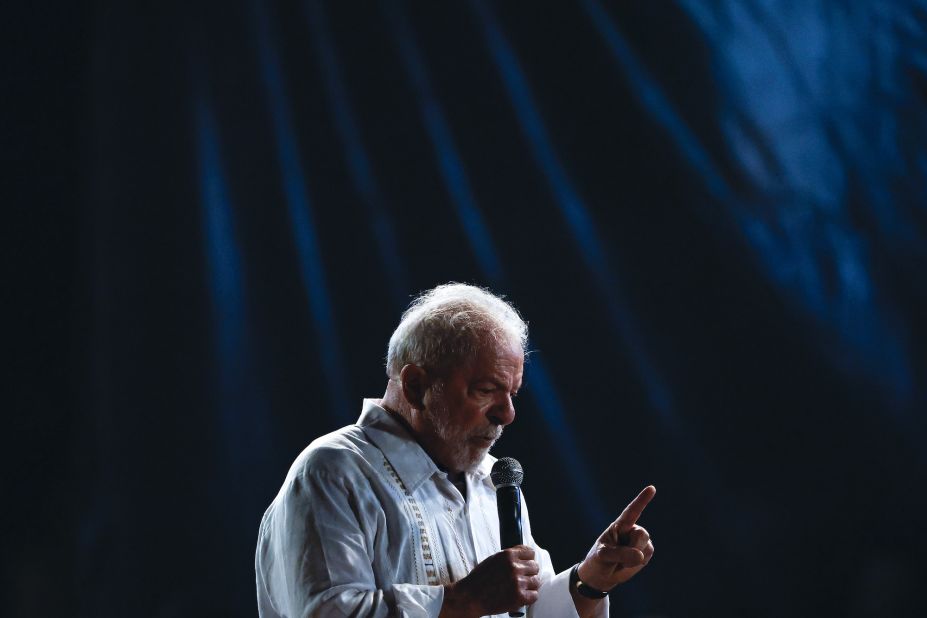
<point x="458" y="547"/>
<point x="481" y="503"/>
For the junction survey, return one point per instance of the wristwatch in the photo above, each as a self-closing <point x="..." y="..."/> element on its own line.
<point x="584" y="589"/>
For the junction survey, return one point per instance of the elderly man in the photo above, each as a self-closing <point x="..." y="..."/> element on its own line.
<point x="396" y="515"/>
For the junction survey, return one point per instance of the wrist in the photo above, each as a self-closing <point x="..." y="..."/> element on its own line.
<point x="584" y="582"/>
<point x="457" y="603"/>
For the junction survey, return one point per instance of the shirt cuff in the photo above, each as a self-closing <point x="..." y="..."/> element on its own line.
<point x="555" y="600"/>
<point x="417" y="601"/>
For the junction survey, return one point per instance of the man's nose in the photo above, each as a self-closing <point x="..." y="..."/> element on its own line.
<point x="503" y="412"/>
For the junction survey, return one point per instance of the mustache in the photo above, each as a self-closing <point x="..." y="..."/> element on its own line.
<point x="493" y="434"/>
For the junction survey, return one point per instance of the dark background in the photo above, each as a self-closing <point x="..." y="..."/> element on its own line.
<point x="713" y="216"/>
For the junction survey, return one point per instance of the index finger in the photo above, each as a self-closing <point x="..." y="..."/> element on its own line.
<point x="633" y="511"/>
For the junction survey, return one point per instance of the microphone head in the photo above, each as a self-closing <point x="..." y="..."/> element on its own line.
<point x="506" y="472"/>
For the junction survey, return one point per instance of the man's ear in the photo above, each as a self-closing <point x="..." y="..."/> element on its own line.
<point x="415" y="383"/>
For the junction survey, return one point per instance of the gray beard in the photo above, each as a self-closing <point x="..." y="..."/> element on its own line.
<point x="464" y="455"/>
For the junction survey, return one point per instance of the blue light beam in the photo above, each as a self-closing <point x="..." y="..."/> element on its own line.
<point x="574" y="211"/>
<point x="789" y="242"/>
<point x="243" y="424"/>
<point x="442" y="140"/>
<point x="302" y="222"/>
<point x="365" y="182"/>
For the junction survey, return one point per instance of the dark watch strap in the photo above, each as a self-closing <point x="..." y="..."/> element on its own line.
<point x="585" y="590"/>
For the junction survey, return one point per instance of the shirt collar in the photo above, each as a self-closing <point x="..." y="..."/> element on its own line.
<point x="413" y="465"/>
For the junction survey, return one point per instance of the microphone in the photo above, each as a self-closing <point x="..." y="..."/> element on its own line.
<point x="507" y="476"/>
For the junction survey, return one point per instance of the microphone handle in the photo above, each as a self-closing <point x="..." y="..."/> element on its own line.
<point x="508" y="504"/>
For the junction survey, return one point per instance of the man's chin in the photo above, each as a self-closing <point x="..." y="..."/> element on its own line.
<point x="478" y="455"/>
<point x="473" y="459"/>
<point x="471" y="451"/>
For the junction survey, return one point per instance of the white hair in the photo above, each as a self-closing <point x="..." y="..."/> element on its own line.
<point x="448" y="326"/>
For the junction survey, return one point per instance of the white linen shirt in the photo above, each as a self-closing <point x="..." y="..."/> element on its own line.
<point x="367" y="525"/>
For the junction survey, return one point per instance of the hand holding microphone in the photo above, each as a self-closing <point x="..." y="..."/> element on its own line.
<point x="507" y="476"/>
<point x="508" y="580"/>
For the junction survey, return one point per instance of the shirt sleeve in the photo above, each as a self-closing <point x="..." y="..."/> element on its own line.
<point x="554" y="598"/>
<point x="314" y="556"/>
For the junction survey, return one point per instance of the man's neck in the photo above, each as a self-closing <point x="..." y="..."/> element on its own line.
<point x="404" y="421"/>
<point x="393" y="403"/>
<point x="460" y="482"/>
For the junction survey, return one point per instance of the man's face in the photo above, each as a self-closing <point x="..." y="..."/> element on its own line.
<point x="465" y="412"/>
